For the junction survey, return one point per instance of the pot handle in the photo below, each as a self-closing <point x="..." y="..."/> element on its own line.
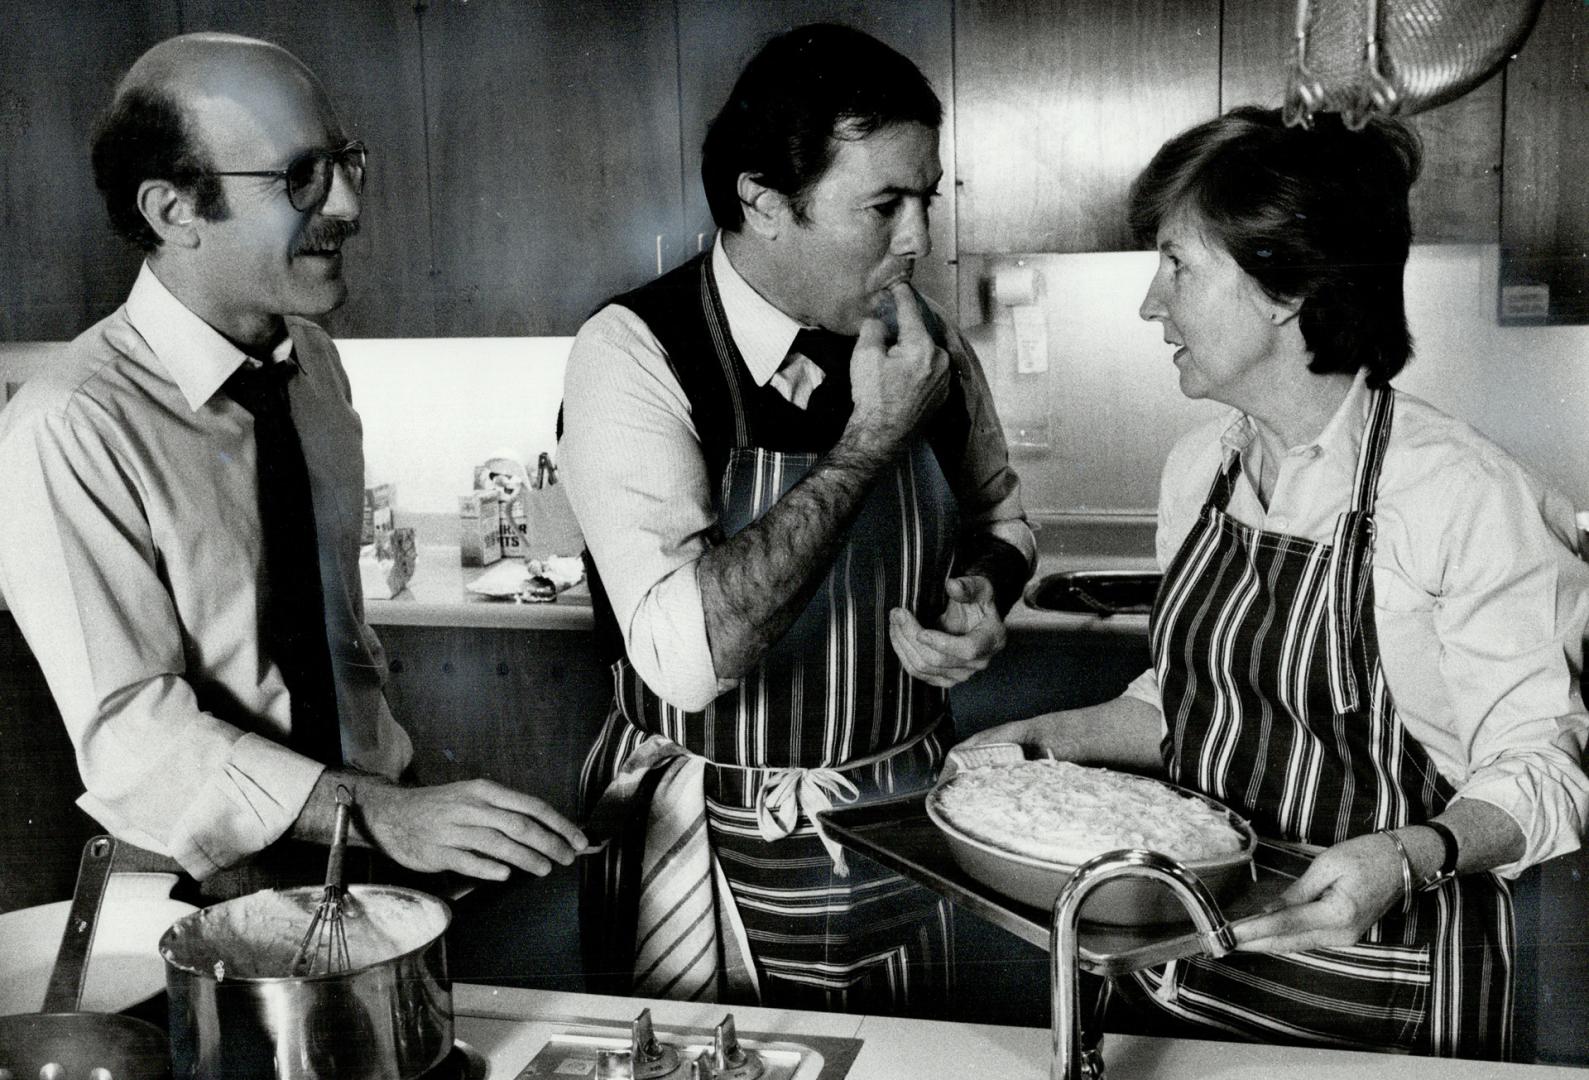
<point x="65" y="991"/>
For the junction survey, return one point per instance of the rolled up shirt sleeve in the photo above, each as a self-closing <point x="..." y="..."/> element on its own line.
<point x="986" y="487"/>
<point x="631" y="462"/>
<point x="1509" y="616"/>
<point x="82" y="575"/>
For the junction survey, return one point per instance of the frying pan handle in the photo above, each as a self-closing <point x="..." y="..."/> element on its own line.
<point x="65" y="991"/>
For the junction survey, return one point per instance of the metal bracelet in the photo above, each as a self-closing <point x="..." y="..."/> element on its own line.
<point x="1406" y="870"/>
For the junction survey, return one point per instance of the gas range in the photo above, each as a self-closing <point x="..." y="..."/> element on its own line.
<point x="512" y="1039"/>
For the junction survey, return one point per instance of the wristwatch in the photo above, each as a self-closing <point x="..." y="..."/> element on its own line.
<point x="1448" y="865"/>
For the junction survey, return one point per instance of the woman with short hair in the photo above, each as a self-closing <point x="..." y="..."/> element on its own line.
<point x="1368" y="637"/>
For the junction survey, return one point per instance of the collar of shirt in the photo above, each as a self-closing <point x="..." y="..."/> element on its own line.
<point x="1336" y="446"/>
<point x="763" y="334"/>
<point x="197" y="356"/>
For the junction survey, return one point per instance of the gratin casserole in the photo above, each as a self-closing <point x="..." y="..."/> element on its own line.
<point x="1061" y="812"/>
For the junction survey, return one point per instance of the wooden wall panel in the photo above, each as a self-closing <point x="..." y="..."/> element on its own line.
<point x="1059" y="105"/>
<point x="1457" y="198"/>
<point x="520" y="707"/>
<point x="1545" y="198"/>
<point x="554" y="157"/>
<point x="366" y="52"/>
<point x="42" y="831"/>
<point x="61" y="266"/>
<point x="718" y="37"/>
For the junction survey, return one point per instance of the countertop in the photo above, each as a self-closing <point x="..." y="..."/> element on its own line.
<point x="436" y="595"/>
<point x="494" y="1019"/>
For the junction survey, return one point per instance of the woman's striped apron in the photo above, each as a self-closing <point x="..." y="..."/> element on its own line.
<point x="1276" y="704"/>
<point x="828" y="707"/>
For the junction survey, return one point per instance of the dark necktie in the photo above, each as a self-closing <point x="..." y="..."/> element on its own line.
<point x="292" y="609"/>
<point x="830" y="404"/>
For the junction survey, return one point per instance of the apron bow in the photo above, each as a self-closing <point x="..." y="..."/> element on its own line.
<point x="787" y="793"/>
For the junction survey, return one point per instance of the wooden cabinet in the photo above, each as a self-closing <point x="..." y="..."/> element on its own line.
<point x="718" y="37"/>
<point x="553" y="142"/>
<point x="1545" y="200"/>
<point x="530" y="158"/>
<point x="1457" y="197"/>
<point x="61" y="266"/>
<point x="368" y="56"/>
<point x="42" y="831"/>
<point x="1059" y="105"/>
<point x="520" y="707"/>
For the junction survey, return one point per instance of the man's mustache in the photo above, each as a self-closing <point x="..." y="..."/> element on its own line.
<point x="330" y="233"/>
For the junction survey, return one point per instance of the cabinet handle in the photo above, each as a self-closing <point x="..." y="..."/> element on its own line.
<point x="659" y="254"/>
<point x="700" y="242"/>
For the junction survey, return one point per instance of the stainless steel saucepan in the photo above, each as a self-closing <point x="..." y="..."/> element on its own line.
<point x="390" y="1019"/>
<point x="63" y="1042"/>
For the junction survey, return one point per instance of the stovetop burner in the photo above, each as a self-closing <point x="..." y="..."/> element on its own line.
<point x="464" y="1062"/>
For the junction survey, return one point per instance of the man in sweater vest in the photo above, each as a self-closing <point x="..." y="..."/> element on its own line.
<point x="802" y="530"/>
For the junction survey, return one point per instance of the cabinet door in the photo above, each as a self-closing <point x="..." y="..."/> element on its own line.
<point x="42" y="831"/>
<point x="367" y="56"/>
<point x="718" y="37"/>
<point x="1059" y="105"/>
<point x="61" y="266"/>
<point x="554" y="157"/>
<point x="521" y="707"/>
<point x="1457" y="197"/>
<point x="1545" y="199"/>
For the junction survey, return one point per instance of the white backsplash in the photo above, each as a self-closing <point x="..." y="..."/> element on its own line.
<point x="1109" y="407"/>
<point x="433" y="408"/>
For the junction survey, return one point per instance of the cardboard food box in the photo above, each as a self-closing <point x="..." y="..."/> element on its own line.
<point x="479" y="528"/>
<point x="378" y="500"/>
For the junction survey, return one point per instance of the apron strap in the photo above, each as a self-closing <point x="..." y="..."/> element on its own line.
<point x="727" y="352"/>
<point x="1351" y="555"/>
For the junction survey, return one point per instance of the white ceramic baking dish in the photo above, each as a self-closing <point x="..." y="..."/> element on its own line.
<point x="1034" y="881"/>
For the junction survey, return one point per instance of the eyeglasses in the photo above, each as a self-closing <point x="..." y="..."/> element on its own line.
<point x="308" y="175"/>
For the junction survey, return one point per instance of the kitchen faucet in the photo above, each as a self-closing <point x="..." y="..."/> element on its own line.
<point x="1078" y="1055"/>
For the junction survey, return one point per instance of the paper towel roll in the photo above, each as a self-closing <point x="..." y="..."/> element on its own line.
<point x="1015" y="285"/>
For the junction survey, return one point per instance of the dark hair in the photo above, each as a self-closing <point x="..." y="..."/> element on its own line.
<point x="805" y="88"/>
<point x="1317" y="215"/>
<point x="144" y="135"/>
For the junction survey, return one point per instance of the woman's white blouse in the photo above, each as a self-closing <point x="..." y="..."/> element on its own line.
<point x="1480" y="599"/>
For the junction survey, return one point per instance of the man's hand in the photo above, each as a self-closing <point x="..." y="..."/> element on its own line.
<point x="1344" y="892"/>
<point x="475" y="827"/>
<point x="894" y="388"/>
<point x="970" y="632"/>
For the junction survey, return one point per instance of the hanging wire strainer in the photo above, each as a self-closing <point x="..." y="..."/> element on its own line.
<point x="1358" y="57"/>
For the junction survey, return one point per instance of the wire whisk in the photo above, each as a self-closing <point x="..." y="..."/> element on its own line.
<point x="324" y="948"/>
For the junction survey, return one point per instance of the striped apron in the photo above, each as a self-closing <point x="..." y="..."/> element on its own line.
<point x="1275" y="703"/>
<point x="828" y="715"/>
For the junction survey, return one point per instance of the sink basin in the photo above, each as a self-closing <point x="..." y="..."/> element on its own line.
<point x="1096" y="592"/>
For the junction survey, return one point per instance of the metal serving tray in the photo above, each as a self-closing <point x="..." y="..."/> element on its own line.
<point x="898" y="834"/>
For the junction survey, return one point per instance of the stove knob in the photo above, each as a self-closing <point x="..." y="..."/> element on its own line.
<point x="648" y="1058"/>
<point x="728" y="1060"/>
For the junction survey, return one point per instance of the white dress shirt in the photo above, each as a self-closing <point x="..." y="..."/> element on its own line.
<point x="130" y="554"/>
<point x="632" y="465"/>
<point x="1479" y="598"/>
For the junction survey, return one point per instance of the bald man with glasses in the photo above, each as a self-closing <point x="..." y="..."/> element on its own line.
<point x="183" y="497"/>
